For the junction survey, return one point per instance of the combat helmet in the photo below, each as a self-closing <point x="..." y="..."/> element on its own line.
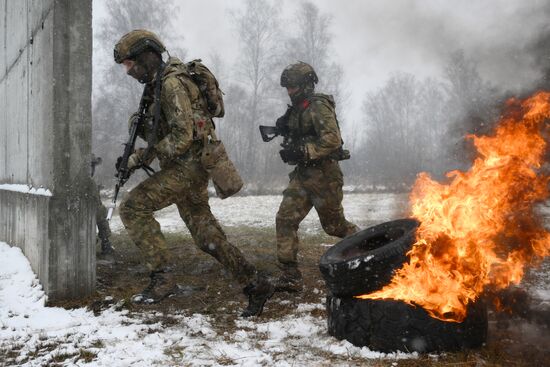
<point x="298" y="75"/>
<point x="135" y="42"/>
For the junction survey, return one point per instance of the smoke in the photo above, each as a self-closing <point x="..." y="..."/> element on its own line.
<point x="540" y="49"/>
<point x="517" y="302"/>
<point x="522" y="313"/>
<point x="503" y="37"/>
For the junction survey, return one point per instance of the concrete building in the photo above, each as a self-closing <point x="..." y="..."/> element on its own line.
<point x="45" y="140"/>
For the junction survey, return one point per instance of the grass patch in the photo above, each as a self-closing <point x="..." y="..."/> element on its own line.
<point x="222" y="300"/>
<point x="62" y="357"/>
<point x="98" y="344"/>
<point x="225" y="361"/>
<point x="10" y="353"/>
<point x="86" y="356"/>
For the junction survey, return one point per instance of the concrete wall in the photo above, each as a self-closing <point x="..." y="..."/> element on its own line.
<point x="45" y="140"/>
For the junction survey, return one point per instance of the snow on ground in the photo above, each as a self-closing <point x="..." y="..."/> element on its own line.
<point x="538" y="283"/>
<point x="26" y="189"/>
<point x="260" y="211"/>
<point x="120" y="338"/>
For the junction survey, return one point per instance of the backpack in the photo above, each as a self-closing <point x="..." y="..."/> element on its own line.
<point x="208" y="85"/>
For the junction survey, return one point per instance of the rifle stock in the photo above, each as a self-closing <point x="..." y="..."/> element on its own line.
<point x="280" y="129"/>
<point x="269" y="132"/>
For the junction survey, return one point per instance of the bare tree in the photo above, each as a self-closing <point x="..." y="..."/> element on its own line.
<point x="404" y="122"/>
<point x="432" y="125"/>
<point x="311" y="42"/>
<point x="415" y="126"/>
<point x="216" y="63"/>
<point x="471" y="107"/>
<point x="258" y="30"/>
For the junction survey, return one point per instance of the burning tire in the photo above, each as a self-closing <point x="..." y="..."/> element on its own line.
<point x="387" y="326"/>
<point x="365" y="261"/>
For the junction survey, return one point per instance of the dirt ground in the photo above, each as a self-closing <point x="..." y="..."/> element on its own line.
<point x="511" y="341"/>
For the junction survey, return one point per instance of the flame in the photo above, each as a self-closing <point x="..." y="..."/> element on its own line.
<point x="480" y="229"/>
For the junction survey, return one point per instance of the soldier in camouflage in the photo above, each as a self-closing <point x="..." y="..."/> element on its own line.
<point x="103" y="228"/>
<point x="313" y="143"/>
<point x="177" y="143"/>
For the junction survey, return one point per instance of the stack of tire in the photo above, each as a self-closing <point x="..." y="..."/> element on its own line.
<point x="365" y="262"/>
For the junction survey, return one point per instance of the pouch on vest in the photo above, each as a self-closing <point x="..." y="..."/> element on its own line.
<point x="216" y="162"/>
<point x="209" y="87"/>
<point x="202" y="125"/>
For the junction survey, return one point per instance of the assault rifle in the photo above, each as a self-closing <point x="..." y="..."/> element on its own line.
<point x="123" y="172"/>
<point x="269" y="132"/>
<point x="281" y="129"/>
<point x="290" y="141"/>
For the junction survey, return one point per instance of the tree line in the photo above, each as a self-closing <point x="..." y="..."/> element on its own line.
<point x="407" y="126"/>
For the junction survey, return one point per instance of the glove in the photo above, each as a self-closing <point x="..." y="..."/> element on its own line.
<point x="282" y="124"/>
<point x="119" y="174"/>
<point x="134" y="161"/>
<point x="294" y="154"/>
<point x="118" y="162"/>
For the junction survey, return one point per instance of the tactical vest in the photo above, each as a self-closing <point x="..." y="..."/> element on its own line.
<point x="301" y="124"/>
<point x="301" y="128"/>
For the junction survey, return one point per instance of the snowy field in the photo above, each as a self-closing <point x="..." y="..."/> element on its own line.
<point x="260" y="211"/>
<point x="34" y="335"/>
<point x="119" y="338"/>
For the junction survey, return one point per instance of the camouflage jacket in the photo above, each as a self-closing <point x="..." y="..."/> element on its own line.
<point x="314" y="124"/>
<point x="182" y="117"/>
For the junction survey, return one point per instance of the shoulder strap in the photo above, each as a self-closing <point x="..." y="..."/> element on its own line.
<point x="330" y="99"/>
<point x="152" y="136"/>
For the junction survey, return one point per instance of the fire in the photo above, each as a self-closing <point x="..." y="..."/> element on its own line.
<point x="480" y="229"/>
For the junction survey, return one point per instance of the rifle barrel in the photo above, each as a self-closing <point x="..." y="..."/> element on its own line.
<point x="123" y="173"/>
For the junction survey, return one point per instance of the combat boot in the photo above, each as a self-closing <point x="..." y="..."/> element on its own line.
<point x="161" y="285"/>
<point x="290" y="280"/>
<point x="106" y="247"/>
<point x="258" y="292"/>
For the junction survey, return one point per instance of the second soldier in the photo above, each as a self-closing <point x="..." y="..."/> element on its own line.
<point x="313" y="144"/>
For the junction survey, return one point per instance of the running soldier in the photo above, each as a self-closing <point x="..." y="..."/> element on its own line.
<point x="313" y="143"/>
<point x="103" y="228"/>
<point x="175" y="133"/>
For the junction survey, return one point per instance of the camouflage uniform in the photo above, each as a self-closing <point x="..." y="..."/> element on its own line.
<point x="176" y="127"/>
<point x="103" y="228"/>
<point x="317" y="180"/>
<point x="182" y="179"/>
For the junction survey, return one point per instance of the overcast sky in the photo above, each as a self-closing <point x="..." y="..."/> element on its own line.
<point x="374" y="38"/>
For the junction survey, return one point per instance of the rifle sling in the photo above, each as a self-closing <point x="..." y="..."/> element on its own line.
<point x="148" y="169"/>
<point x="152" y="136"/>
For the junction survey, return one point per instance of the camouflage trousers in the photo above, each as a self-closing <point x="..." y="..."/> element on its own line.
<point x="184" y="183"/>
<point x="103" y="229"/>
<point x="317" y="186"/>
